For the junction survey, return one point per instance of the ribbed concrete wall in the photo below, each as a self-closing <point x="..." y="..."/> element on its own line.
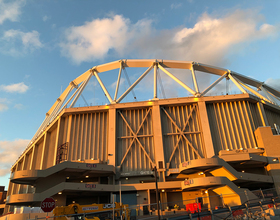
<point x="87" y="138"/>
<point x="232" y="124"/>
<point x="134" y="154"/>
<point x="177" y="148"/>
<point x="272" y="117"/>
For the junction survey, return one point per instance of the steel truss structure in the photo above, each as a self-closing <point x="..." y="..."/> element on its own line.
<point x="243" y="83"/>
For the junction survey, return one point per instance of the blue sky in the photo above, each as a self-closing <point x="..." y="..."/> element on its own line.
<point x="46" y="44"/>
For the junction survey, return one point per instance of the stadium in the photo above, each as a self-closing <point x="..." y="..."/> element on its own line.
<point x="208" y="131"/>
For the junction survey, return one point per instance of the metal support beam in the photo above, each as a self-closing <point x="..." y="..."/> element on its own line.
<point x="155" y="80"/>
<point x="102" y="86"/>
<point x="267" y="94"/>
<point x="81" y="89"/>
<point x="134" y="84"/>
<point x="177" y="80"/>
<point x="118" y="82"/>
<point x="254" y="92"/>
<point x="213" y="84"/>
<point x="194" y="80"/>
<point x="236" y="83"/>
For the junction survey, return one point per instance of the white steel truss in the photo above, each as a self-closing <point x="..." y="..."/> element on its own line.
<point x="243" y="83"/>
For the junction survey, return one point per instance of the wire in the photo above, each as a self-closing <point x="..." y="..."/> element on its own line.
<point x="161" y="86"/>
<point x="134" y="96"/>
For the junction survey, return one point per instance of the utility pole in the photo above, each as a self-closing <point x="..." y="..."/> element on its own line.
<point x="155" y="170"/>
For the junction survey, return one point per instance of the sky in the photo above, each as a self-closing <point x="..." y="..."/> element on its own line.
<point x="44" y="45"/>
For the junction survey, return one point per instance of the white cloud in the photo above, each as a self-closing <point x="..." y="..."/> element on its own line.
<point x="176" y="5"/>
<point x="15" y="88"/>
<point x="10" y="10"/>
<point x="274" y="83"/>
<point x="210" y="40"/>
<point x="3" y="107"/>
<point x="3" y="104"/>
<point x="45" y="18"/>
<point x="18" y="106"/>
<point x="95" y="39"/>
<point x="9" y="153"/>
<point x="16" y="42"/>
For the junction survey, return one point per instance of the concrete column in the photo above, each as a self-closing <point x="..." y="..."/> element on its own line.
<point x="206" y="132"/>
<point x="112" y="136"/>
<point x="58" y="133"/>
<point x="158" y="142"/>
<point x="68" y="139"/>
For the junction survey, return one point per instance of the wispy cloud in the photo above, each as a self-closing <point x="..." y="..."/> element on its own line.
<point x="176" y="5"/>
<point x="9" y="152"/>
<point x="16" y="42"/>
<point x="274" y="83"/>
<point x="45" y="18"/>
<point x="3" y="107"/>
<point x="4" y="104"/>
<point x="208" y="41"/>
<point x="18" y="106"/>
<point x="14" y="88"/>
<point x="10" y="10"/>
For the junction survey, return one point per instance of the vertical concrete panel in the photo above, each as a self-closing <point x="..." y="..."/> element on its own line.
<point x="232" y="125"/>
<point x="273" y="117"/>
<point x="134" y="154"/>
<point x="112" y="137"/>
<point x="206" y="133"/>
<point x="178" y="120"/>
<point x="50" y="148"/>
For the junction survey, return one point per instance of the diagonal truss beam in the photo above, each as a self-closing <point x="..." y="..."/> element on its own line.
<point x="176" y="80"/>
<point x="134" y="84"/>
<point x="181" y="133"/>
<point x="267" y="94"/>
<point x="102" y="86"/>
<point x="80" y="90"/>
<point x="236" y="83"/>
<point x="213" y="85"/>
<point x="254" y="92"/>
<point x="135" y="137"/>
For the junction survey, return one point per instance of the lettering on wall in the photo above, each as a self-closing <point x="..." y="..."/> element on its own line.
<point x="91" y="165"/>
<point x="90" y="186"/>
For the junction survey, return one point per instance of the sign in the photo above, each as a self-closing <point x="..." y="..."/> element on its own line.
<point x="90" y="165"/>
<point x="90" y="186"/>
<point x="48" y="205"/>
<point x="108" y="206"/>
<point x="138" y="173"/>
<point x="188" y="182"/>
<point x="90" y="208"/>
<point x="185" y="164"/>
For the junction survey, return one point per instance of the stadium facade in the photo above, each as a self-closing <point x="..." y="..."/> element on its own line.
<point x="201" y="145"/>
